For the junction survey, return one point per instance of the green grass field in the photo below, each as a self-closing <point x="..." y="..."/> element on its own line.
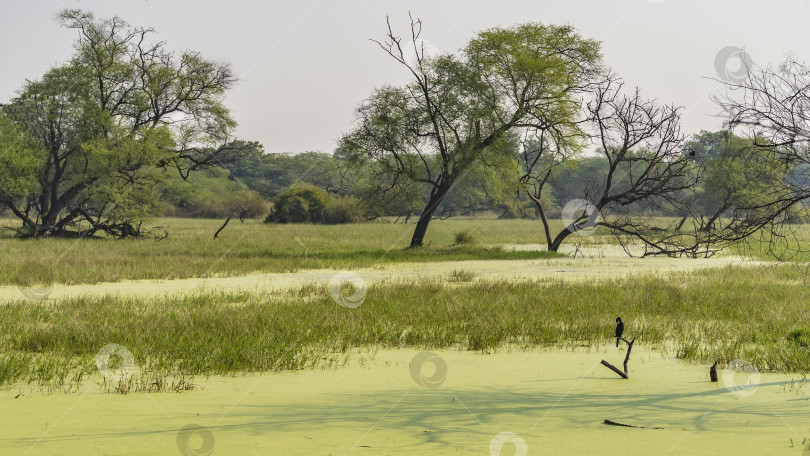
<point x="191" y="251"/>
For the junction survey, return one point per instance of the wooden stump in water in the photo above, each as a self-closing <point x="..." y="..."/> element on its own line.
<point x="626" y="359"/>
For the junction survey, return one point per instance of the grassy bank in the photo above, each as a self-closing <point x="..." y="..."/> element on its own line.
<point x="191" y="251"/>
<point x="739" y="313"/>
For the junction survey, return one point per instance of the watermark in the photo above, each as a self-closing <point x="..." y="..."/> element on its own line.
<point x="428" y="369"/>
<point x="741" y="377"/>
<point x="508" y="438"/>
<point x="195" y="440"/>
<point x="40" y="290"/>
<point x="347" y="289"/>
<point x="581" y="216"/>
<point x="111" y="369"/>
<point x="725" y="61"/>
<point x="37" y="292"/>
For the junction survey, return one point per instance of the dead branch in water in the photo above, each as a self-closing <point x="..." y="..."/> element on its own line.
<point x="626" y="359"/>
<point x="614" y="423"/>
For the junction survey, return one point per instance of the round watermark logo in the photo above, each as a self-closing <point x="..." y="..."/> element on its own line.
<point x="428" y="369"/>
<point x="41" y="290"/>
<point x="195" y="440"/>
<point x="115" y="362"/>
<point x="581" y="216"/>
<point x="732" y="64"/>
<point x="37" y="292"/>
<point x="506" y="439"/>
<point x="741" y="377"/>
<point x="347" y="289"/>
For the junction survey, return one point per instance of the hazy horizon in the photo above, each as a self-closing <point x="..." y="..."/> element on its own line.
<point x="304" y="67"/>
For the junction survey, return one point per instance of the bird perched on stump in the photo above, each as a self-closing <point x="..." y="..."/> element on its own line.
<point x="619" y="330"/>
<point x="713" y="372"/>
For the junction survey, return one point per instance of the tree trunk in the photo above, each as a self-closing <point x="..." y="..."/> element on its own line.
<point x="713" y="218"/>
<point x="683" y="220"/>
<point x="543" y="218"/>
<point x="427" y="216"/>
<point x="555" y="245"/>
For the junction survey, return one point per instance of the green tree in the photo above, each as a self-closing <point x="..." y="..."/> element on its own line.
<point x="734" y="178"/>
<point x="108" y="123"/>
<point x="465" y="108"/>
<point x="487" y="185"/>
<point x="212" y="193"/>
<point x="20" y="158"/>
<point x="272" y="173"/>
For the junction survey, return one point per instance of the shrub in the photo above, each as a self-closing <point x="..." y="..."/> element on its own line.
<point x="517" y="210"/>
<point x="465" y="237"/>
<point x="344" y="210"/>
<point x="211" y="194"/>
<point x="310" y="204"/>
<point x="509" y="211"/>
<point x="300" y="204"/>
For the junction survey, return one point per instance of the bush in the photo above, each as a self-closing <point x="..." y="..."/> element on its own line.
<point x="310" y="204"/>
<point x="518" y="210"/>
<point x="344" y="210"/>
<point x="465" y="237"/>
<point x="211" y="194"/>
<point x="508" y="212"/>
<point x="300" y="204"/>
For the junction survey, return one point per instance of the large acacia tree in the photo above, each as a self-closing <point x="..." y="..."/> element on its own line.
<point x="469" y="107"/>
<point x="99" y="132"/>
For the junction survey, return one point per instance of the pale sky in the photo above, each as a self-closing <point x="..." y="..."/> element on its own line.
<point x="304" y="66"/>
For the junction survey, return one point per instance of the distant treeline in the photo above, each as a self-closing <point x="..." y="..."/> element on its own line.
<point x="329" y="188"/>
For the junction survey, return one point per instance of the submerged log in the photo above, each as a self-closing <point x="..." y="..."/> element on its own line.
<point x="614" y="369"/>
<point x="614" y="423"/>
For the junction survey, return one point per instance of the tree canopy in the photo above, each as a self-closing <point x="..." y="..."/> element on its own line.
<point x="465" y="108"/>
<point x="103" y="128"/>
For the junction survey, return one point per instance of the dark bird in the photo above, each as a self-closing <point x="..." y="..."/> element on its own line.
<point x="713" y="372"/>
<point x="691" y="154"/>
<point x="619" y="330"/>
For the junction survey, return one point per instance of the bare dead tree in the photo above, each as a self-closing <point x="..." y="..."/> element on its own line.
<point x="641" y="144"/>
<point x="772" y="108"/>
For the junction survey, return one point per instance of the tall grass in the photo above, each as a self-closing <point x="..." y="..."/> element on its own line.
<point x="727" y="314"/>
